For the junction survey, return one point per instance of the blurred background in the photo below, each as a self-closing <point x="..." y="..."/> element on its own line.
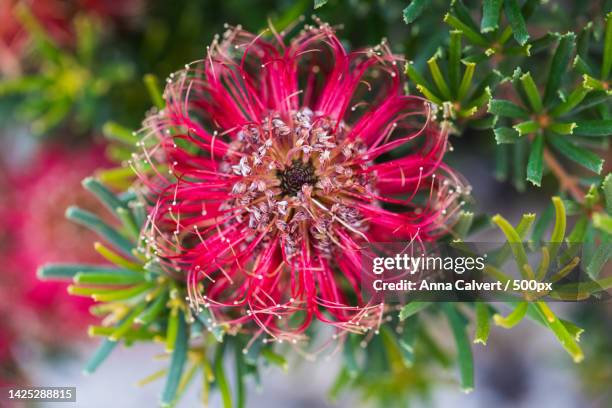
<point x="67" y="67"/>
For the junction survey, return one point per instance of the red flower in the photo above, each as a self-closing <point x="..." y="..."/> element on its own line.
<point x="275" y="162"/>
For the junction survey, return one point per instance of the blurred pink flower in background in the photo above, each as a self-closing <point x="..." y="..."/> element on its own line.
<point x="35" y="232"/>
<point x="55" y="18"/>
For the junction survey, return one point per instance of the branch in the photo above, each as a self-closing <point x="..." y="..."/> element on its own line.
<point x="567" y="182"/>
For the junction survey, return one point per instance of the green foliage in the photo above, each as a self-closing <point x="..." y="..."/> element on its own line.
<point x="70" y="85"/>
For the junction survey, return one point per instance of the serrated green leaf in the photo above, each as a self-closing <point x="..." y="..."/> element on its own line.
<point x="525" y="128"/>
<point x="576" y="153"/>
<point x="599" y="258"/>
<point x="571" y="102"/>
<point x="593" y="128"/>
<point x="412" y="12"/>
<point x="532" y="92"/>
<point x="505" y="135"/>
<point x="559" y="65"/>
<point x="536" y="161"/>
<point x="602" y="222"/>
<point x="562" y="128"/>
<point x="519" y="165"/>
<point x="490" y="15"/>
<point x="508" y="109"/>
<point x="516" y="20"/>
<point x="560" y="331"/>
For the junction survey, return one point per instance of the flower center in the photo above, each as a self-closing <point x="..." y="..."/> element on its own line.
<point x="293" y="177"/>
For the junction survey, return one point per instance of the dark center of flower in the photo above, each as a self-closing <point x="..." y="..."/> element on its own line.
<point x="293" y="177"/>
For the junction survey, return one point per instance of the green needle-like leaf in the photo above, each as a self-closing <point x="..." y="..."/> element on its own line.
<point x="516" y="20"/>
<point x="114" y="131"/>
<point x="508" y="109"/>
<point x="536" y="161"/>
<point x="466" y="81"/>
<point x="106" y="197"/>
<point x="99" y="356"/>
<point x="114" y="277"/>
<point x="412" y="308"/>
<point x="69" y="271"/>
<point x="94" y="223"/>
<point x="607" y="52"/>
<point x="558" y="65"/>
<point x="532" y="92"/>
<point x="525" y="128"/>
<point x="571" y="102"/>
<point x="438" y="78"/>
<point x="483" y="324"/>
<point x="490" y="15"/>
<point x="599" y="259"/>
<point x="153" y="87"/>
<point x="506" y="135"/>
<point x="514" y="239"/>
<point x="126" y="325"/>
<point x="557" y="327"/>
<point x="576" y="153"/>
<point x="469" y="32"/>
<point x="593" y="128"/>
<point x="563" y="128"/>
<point x="464" y="351"/>
<point x="177" y="363"/>
<point x="154" y="309"/>
<point x="454" y="60"/>
<point x="274" y="358"/>
<point x="513" y="318"/>
<point x="607" y="190"/>
<point x="411" y="13"/>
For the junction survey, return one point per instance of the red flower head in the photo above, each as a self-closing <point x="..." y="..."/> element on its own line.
<point x="274" y="162"/>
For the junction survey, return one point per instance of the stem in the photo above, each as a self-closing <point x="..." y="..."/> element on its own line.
<point x="567" y="182"/>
